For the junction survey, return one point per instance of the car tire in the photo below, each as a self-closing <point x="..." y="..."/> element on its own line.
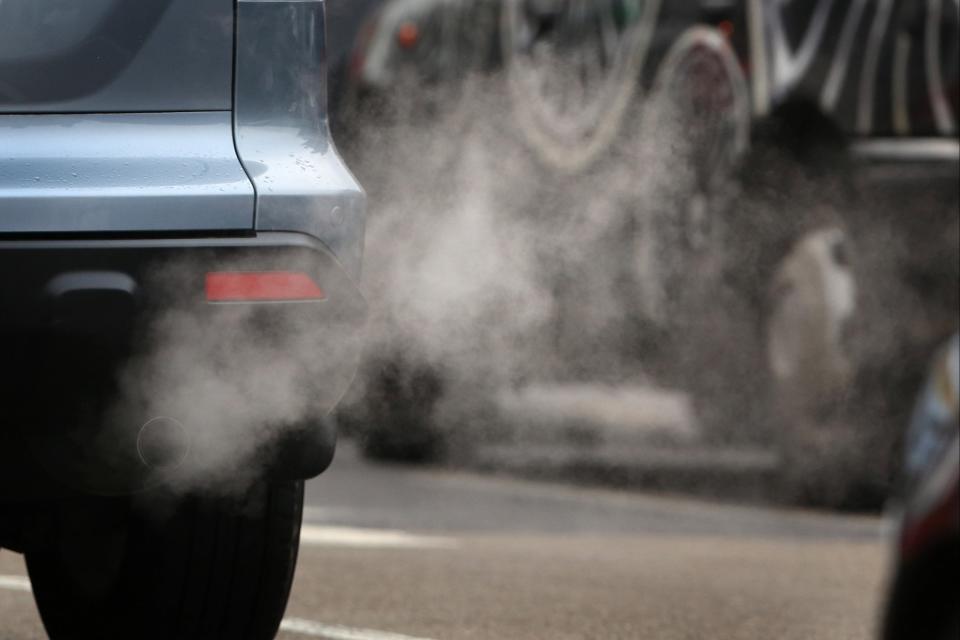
<point x="199" y="568"/>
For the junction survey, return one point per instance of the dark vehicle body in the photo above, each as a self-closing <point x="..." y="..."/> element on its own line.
<point x="924" y="599"/>
<point x="169" y="192"/>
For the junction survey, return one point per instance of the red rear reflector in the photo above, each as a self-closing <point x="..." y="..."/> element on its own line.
<point x="251" y="286"/>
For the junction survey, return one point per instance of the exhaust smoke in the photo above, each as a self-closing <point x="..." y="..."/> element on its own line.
<point x="493" y="273"/>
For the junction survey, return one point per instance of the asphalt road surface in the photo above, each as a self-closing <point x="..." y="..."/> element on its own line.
<point x="399" y="554"/>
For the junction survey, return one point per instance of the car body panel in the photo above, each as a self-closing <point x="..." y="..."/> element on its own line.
<point x="146" y="172"/>
<point x="282" y="132"/>
<point x="64" y="56"/>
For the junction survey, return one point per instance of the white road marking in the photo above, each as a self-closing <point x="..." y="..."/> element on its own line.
<point x="331" y="515"/>
<point x="15" y="583"/>
<point x="371" y="538"/>
<point x="290" y="625"/>
<point x="336" y="632"/>
<point x="918" y="149"/>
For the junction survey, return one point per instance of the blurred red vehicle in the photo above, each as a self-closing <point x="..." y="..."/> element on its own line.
<point x="925" y="596"/>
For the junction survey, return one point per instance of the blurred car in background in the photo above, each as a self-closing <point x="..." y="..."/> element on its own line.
<point x="801" y="249"/>
<point x="924" y="600"/>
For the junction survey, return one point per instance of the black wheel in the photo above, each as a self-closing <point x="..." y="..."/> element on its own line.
<point x="200" y="568"/>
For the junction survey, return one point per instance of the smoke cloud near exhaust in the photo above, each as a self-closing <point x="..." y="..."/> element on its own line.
<point x="471" y="240"/>
<point x="237" y="378"/>
<point x="493" y="273"/>
<point x="480" y="263"/>
<point x="496" y="271"/>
